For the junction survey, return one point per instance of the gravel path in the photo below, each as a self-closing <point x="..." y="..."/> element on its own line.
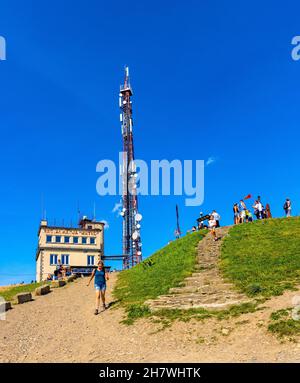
<point x="61" y="327"/>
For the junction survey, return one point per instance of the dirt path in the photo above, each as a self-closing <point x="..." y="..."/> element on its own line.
<point x="206" y="287"/>
<point x="61" y="327"/>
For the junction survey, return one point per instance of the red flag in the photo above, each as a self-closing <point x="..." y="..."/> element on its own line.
<point x="248" y="196"/>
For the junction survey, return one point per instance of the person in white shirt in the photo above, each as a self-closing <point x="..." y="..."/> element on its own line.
<point x="217" y="218"/>
<point x="258" y="208"/>
<point x="212" y="227"/>
<point x="242" y="209"/>
<point x="288" y="207"/>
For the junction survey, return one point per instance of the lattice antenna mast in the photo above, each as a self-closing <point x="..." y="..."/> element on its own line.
<point x="131" y="218"/>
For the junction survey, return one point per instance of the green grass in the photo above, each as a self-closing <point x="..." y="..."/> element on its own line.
<point x="166" y="268"/>
<point x="283" y="325"/>
<point x="263" y="258"/>
<point x="10" y="293"/>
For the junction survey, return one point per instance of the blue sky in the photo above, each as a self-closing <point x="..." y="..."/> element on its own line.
<point x="210" y="79"/>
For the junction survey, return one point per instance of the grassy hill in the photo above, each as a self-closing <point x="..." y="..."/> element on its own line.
<point x="263" y="257"/>
<point x="158" y="273"/>
<point x="260" y="258"/>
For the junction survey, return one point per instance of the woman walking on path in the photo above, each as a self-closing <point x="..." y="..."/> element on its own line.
<point x="212" y="224"/>
<point x="101" y="276"/>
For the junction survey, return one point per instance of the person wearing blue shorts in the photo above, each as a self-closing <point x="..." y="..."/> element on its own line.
<point x="101" y="276"/>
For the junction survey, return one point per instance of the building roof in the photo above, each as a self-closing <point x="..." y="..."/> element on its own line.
<point x="77" y="228"/>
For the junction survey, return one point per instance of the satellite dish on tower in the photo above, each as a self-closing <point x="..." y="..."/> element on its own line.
<point x="138" y="217"/>
<point x="135" y="235"/>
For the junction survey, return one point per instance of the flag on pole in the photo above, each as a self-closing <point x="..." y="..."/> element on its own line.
<point x="177" y="221"/>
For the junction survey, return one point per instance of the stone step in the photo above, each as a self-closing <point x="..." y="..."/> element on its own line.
<point x="187" y="288"/>
<point x="204" y="297"/>
<point x="208" y="306"/>
<point x="197" y="302"/>
<point x="203" y="278"/>
<point x="204" y="265"/>
<point x="201" y="289"/>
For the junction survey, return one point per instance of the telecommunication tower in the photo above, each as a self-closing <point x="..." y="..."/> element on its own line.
<point x="132" y="253"/>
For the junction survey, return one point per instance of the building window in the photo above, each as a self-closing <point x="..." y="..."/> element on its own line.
<point x="90" y="227"/>
<point x="67" y="239"/>
<point x="90" y="260"/>
<point x="65" y="259"/>
<point x="53" y="259"/>
<point x="75" y="239"/>
<point x="92" y="240"/>
<point x="58" y="238"/>
<point x="49" y="238"/>
<point x="83" y="240"/>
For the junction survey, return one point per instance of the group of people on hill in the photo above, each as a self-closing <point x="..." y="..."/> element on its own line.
<point x="242" y="214"/>
<point x="213" y="219"/>
<point x="213" y="222"/>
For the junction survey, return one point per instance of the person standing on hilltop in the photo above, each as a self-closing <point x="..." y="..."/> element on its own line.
<point x="236" y="214"/>
<point x="258" y="208"/>
<point x="258" y="199"/>
<point x="101" y="276"/>
<point x="288" y="207"/>
<point x="242" y="209"/>
<point x="268" y="211"/>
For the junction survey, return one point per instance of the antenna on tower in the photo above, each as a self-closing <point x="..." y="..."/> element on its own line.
<point x="78" y="211"/>
<point x="126" y="81"/>
<point x="43" y="207"/>
<point x="94" y="212"/>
